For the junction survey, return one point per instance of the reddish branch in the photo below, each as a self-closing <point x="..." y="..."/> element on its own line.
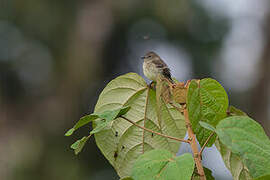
<point x="194" y="147"/>
<point x="193" y="143"/>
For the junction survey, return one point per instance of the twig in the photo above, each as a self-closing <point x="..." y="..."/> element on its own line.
<point x="207" y="140"/>
<point x="154" y="132"/>
<point x="194" y="147"/>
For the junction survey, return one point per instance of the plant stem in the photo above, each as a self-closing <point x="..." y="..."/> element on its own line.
<point x="154" y="132"/>
<point x="194" y="147"/>
<point x="207" y="140"/>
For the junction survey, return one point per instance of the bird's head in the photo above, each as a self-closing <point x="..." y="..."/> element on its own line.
<point x="150" y="56"/>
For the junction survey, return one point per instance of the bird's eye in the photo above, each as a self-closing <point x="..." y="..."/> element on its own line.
<point x="149" y="56"/>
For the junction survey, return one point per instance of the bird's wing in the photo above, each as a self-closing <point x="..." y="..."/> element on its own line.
<point x="159" y="63"/>
<point x="164" y="68"/>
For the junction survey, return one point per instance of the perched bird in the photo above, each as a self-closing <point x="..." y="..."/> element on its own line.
<point x="153" y="66"/>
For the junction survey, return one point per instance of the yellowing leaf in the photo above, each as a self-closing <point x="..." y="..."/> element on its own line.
<point x="121" y="142"/>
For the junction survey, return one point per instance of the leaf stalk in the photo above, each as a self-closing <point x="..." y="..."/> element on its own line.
<point x="154" y="132"/>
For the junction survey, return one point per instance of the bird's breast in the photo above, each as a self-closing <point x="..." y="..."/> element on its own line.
<point x="150" y="70"/>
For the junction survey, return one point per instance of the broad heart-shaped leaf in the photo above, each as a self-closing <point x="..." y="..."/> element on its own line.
<point x="121" y="142"/>
<point x="246" y="138"/>
<point x="208" y="102"/>
<point x="233" y="162"/>
<point x="162" y="164"/>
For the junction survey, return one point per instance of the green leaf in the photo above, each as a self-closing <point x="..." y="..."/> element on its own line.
<point x="123" y="111"/>
<point x="207" y="126"/>
<point x="83" y="121"/>
<point x="247" y="139"/>
<point x="266" y="177"/>
<point x="208" y="102"/>
<point x="101" y="125"/>
<point x="107" y="117"/>
<point x="120" y="141"/>
<point x="162" y="164"/>
<point x="110" y="115"/>
<point x="79" y="144"/>
<point x="233" y="162"/>
<point x="208" y="174"/>
<point x="233" y="111"/>
<point x="70" y="132"/>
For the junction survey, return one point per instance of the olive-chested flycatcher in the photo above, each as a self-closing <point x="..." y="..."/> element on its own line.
<point x="153" y="66"/>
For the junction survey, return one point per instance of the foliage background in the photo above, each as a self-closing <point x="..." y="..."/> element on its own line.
<point x="56" y="57"/>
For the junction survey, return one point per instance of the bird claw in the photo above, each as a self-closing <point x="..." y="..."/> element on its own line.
<point x="152" y="85"/>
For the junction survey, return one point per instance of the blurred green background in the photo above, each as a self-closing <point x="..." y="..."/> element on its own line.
<point x="56" y="57"/>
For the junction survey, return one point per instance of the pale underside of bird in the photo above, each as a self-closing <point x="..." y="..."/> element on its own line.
<point x="153" y="66"/>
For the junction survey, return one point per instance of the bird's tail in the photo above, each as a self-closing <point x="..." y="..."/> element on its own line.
<point x="167" y="74"/>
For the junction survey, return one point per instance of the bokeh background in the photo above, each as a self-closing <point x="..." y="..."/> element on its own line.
<point x="56" y="57"/>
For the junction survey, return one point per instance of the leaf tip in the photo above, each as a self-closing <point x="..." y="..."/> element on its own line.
<point x="69" y="132"/>
<point x="123" y="110"/>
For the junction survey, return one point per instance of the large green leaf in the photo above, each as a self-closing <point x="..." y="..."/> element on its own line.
<point x="207" y="102"/>
<point x="233" y="162"/>
<point x="162" y="164"/>
<point x="247" y="139"/>
<point x="121" y="142"/>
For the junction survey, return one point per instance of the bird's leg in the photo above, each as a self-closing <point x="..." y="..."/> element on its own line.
<point x="152" y="85"/>
<point x="183" y="107"/>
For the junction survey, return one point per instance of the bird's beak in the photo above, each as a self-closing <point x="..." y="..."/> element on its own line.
<point x="143" y="57"/>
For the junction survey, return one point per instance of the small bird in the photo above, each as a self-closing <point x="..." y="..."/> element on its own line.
<point x="153" y="66"/>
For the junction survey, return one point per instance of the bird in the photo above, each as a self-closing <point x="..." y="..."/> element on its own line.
<point x="153" y="66"/>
